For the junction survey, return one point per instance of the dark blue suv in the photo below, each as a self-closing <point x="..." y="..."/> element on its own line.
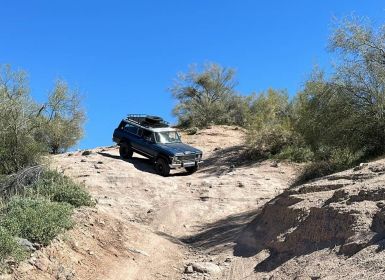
<point x="152" y="137"/>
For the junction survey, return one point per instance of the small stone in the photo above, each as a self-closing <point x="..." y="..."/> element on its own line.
<point x="274" y="164"/>
<point x="189" y="269"/>
<point x="83" y="160"/>
<point x="26" y="244"/>
<point x="228" y="260"/>
<point x="241" y="185"/>
<point x="41" y="264"/>
<point x="380" y="204"/>
<point x="206" y="267"/>
<point x="100" y="162"/>
<point x="86" y="153"/>
<point x="360" y="166"/>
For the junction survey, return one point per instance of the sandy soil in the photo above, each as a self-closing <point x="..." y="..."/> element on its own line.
<point x="149" y="227"/>
<point x="231" y="220"/>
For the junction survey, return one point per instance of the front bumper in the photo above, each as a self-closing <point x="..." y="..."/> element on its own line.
<point x="186" y="164"/>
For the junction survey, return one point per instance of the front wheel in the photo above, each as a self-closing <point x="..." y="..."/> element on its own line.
<point x="125" y="151"/>
<point x="161" y="167"/>
<point x="191" y="169"/>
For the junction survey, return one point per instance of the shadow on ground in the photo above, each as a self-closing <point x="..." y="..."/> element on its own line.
<point x="222" y="233"/>
<point x="143" y="164"/>
<point x="223" y="160"/>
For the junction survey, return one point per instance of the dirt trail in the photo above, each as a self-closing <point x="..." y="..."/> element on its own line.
<point x="149" y="227"/>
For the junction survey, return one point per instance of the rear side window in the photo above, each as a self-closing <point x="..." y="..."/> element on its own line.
<point x="140" y="132"/>
<point x="130" y="128"/>
<point x="148" y="135"/>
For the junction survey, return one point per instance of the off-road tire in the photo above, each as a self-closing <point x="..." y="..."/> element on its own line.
<point x="191" y="169"/>
<point x="162" y="167"/>
<point x="125" y="151"/>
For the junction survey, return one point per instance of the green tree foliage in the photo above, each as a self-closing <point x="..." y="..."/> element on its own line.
<point x="208" y="97"/>
<point x="343" y="117"/>
<point x="62" y="124"/>
<point x="28" y="129"/>
<point x="271" y="131"/>
<point x="18" y="121"/>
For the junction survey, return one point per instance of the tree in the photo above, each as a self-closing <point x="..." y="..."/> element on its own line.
<point x="346" y="111"/>
<point x="28" y="129"/>
<point x="270" y="128"/>
<point x="207" y="97"/>
<point x="63" y="118"/>
<point x="18" y="113"/>
<point x="360" y="80"/>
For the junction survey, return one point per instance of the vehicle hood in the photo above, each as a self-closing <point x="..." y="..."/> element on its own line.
<point x="178" y="148"/>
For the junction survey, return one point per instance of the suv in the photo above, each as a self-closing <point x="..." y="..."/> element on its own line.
<point x="152" y="137"/>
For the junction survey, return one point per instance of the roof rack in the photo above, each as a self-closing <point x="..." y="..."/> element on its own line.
<point x="147" y="120"/>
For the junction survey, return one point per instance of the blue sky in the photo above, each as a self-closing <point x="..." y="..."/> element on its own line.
<point x="124" y="55"/>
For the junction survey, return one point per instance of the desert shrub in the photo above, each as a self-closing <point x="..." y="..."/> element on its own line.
<point x="63" y="118"/>
<point x="192" y="130"/>
<point x="38" y="220"/>
<point x="295" y="153"/>
<point x="28" y="129"/>
<point x="267" y="141"/>
<point x="9" y="248"/>
<point x="208" y="97"/>
<point x="59" y="188"/>
<point x="314" y="170"/>
<point x="18" y="147"/>
<point x="342" y="117"/>
<point x="327" y="161"/>
<point x="270" y="128"/>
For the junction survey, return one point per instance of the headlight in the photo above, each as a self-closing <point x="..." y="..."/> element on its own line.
<point x="176" y="160"/>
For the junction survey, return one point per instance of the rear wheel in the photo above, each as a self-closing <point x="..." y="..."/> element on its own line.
<point x="191" y="169"/>
<point x="161" y="167"/>
<point x="125" y="151"/>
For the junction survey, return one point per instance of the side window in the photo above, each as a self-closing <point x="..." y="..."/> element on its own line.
<point x="140" y="132"/>
<point x="148" y="135"/>
<point x="130" y="128"/>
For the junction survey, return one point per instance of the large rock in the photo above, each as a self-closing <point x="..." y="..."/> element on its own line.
<point x="206" y="267"/>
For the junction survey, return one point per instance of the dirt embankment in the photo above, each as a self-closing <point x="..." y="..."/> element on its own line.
<point x="231" y="220"/>
<point x="332" y="228"/>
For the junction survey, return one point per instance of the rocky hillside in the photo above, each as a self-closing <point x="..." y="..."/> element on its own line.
<point x="231" y="220"/>
<point x="331" y="228"/>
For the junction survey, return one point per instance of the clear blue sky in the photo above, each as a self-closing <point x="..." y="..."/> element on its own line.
<point x="124" y="55"/>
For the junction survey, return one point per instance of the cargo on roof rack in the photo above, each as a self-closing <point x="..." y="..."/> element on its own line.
<point x="147" y="120"/>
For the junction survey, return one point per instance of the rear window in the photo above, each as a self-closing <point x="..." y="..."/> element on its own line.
<point x="130" y="128"/>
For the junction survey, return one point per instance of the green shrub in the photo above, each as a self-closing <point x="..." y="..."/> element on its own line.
<point x="38" y="220"/>
<point x="344" y="158"/>
<point x="314" y="170"/>
<point x="59" y="188"/>
<point x="9" y="248"/>
<point x="295" y="154"/>
<point x="192" y="130"/>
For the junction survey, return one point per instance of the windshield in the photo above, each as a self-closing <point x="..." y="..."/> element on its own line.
<point x="167" y="137"/>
